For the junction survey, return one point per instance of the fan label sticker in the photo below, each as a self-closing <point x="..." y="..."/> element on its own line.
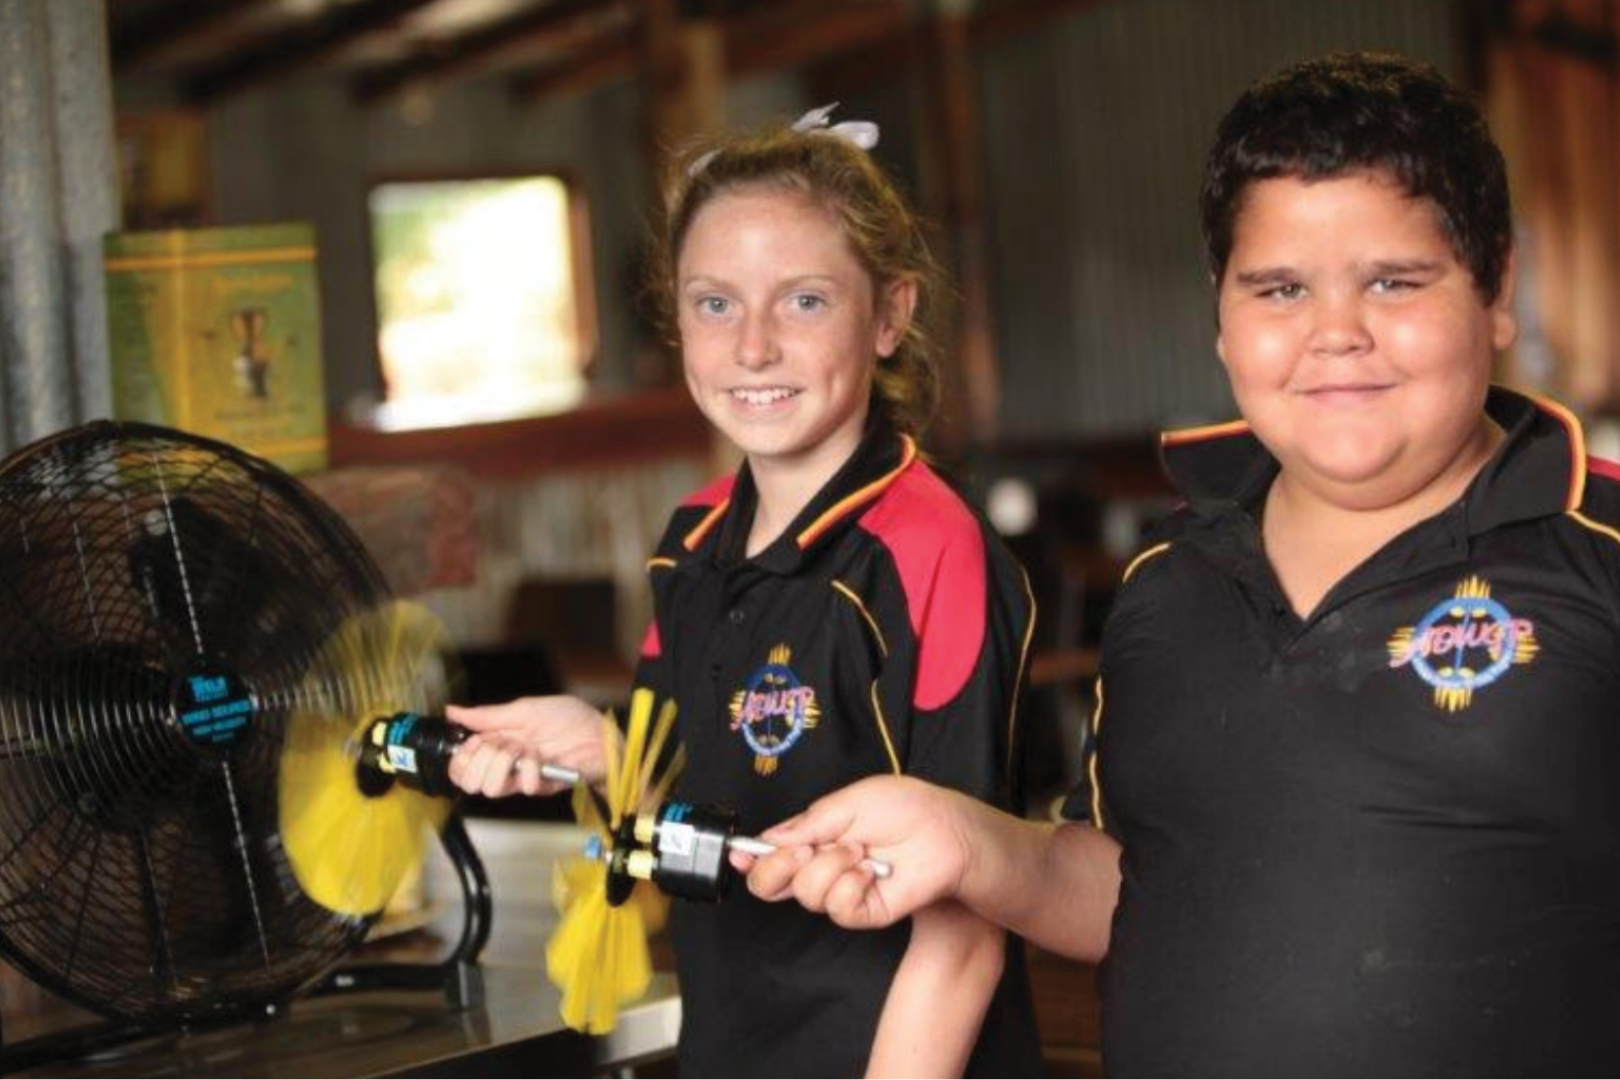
<point x="214" y="707"/>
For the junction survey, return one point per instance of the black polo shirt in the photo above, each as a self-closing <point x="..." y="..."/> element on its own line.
<point x="1385" y="838"/>
<point x="884" y="632"/>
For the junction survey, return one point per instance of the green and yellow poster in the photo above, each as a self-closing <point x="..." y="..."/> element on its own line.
<point x="218" y="332"/>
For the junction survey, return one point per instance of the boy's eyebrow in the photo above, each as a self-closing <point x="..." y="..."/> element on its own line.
<point x="1399" y="267"/>
<point x="1281" y="275"/>
<point x="1270" y="275"/>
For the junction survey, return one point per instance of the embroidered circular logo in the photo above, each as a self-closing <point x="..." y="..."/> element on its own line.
<point x="1464" y="643"/>
<point x="773" y="711"/>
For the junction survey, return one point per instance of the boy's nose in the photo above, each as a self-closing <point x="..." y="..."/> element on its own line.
<point x="1340" y="328"/>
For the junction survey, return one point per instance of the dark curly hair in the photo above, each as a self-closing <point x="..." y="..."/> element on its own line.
<point x="1366" y="112"/>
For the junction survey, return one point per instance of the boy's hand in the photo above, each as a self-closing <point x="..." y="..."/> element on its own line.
<point x="914" y="826"/>
<point x="510" y="742"/>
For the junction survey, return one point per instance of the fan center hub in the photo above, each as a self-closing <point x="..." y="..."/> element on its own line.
<point x="213" y="705"/>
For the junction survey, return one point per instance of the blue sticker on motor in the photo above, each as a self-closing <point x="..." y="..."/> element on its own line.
<point x="213" y="705"/>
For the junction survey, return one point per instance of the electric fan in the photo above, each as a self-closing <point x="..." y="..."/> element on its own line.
<point x="164" y="599"/>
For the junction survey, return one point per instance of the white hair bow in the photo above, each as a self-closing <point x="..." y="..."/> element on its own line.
<point x="861" y="133"/>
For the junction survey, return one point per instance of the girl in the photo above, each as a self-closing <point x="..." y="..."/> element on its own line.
<point x="830" y="612"/>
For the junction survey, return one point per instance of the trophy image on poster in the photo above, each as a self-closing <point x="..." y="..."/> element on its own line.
<point x="252" y="365"/>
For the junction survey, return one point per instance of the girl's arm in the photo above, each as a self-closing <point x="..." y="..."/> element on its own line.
<point x="940" y="992"/>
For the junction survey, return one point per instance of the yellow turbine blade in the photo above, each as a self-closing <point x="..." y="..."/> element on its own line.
<point x="655" y="797"/>
<point x="350" y="852"/>
<point x="598" y="957"/>
<point x="586" y="812"/>
<point x="655" y="749"/>
<point x="610" y="770"/>
<point x="635" y="744"/>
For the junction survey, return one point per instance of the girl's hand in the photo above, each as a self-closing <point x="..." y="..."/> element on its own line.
<point x="510" y="742"/>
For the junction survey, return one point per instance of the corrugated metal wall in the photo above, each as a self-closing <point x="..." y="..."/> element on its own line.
<point x="1096" y="127"/>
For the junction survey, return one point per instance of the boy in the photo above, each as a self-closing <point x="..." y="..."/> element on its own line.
<point x="1353" y="805"/>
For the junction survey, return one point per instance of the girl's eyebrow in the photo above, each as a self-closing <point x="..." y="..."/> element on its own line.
<point x="709" y="281"/>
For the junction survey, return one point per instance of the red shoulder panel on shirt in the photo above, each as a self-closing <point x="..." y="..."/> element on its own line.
<point x="651" y="646"/>
<point x="712" y="495"/>
<point x="1603" y="467"/>
<point x="939" y="551"/>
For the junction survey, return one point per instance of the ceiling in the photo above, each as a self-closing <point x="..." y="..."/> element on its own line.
<point x="210" y="49"/>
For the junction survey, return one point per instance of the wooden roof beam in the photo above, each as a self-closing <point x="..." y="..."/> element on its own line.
<point x="795" y="35"/>
<point x="608" y="59"/>
<point x="565" y="26"/>
<point x="763" y="37"/>
<point x="281" y="54"/>
<point x="160" y="28"/>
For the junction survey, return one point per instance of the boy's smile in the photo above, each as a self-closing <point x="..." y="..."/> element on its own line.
<point x="1358" y="346"/>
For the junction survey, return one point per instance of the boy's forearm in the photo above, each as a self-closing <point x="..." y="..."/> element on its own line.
<point x="1056" y="885"/>
<point x="939" y="995"/>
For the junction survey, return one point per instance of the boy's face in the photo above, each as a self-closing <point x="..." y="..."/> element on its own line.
<point x="1358" y="347"/>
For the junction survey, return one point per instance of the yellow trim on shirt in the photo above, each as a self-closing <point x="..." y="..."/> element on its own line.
<point x="1157" y="549"/>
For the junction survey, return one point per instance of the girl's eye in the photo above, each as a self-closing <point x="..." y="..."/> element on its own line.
<point x="713" y="305"/>
<point x="808" y="302"/>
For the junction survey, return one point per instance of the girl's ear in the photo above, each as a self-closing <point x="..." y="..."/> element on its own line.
<point x="897" y="305"/>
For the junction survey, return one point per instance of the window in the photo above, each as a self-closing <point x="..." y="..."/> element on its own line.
<point x="483" y="310"/>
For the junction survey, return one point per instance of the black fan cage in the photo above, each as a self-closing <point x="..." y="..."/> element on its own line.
<point x="161" y="598"/>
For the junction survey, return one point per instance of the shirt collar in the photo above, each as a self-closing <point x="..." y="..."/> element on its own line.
<point x="879" y="460"/>
<point x="1539" y="470"/>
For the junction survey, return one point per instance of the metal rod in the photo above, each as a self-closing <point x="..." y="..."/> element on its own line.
<point x="561" y="774"/>
<point x="753" y="845"/>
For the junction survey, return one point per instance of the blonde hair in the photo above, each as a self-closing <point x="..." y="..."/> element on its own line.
<point x="887" y="237"/>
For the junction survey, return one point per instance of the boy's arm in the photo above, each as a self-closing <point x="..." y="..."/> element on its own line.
<point x="1056" y="885"/>
<point x="940" y="992"/>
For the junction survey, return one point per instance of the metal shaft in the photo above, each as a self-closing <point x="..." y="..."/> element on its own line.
<point x="561" y="774"/>
<point x="753" y="845"/>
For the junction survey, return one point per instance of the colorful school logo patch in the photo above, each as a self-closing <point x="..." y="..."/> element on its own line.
<point x="1463" y="644"/>
<point x="774" y="710"/>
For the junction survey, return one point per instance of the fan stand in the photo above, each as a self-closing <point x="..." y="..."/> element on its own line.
<point x="458" y="976"/>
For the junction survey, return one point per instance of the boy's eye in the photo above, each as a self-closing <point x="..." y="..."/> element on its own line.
<point x="1392" y="285"/>
<point x="1288" y="290"/>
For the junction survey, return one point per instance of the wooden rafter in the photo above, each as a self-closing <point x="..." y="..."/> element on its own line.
<point x="791" y="35"/>
<point x="607" y="59"/>
<point x="567" y="26"/>
<point x="309" y="41"/>
<point x="160" y="28"/>
<point x="758" y="37"/>
<point x="869" y="63"/>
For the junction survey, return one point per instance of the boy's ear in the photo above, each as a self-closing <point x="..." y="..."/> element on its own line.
<point x="1504" y="324"/>
<point x="899" y="304"/>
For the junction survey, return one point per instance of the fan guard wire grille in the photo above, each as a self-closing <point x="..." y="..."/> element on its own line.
<point x="141" y="870"/>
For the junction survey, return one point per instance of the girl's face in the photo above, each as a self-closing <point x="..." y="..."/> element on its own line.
<point x="781" y="328"/>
